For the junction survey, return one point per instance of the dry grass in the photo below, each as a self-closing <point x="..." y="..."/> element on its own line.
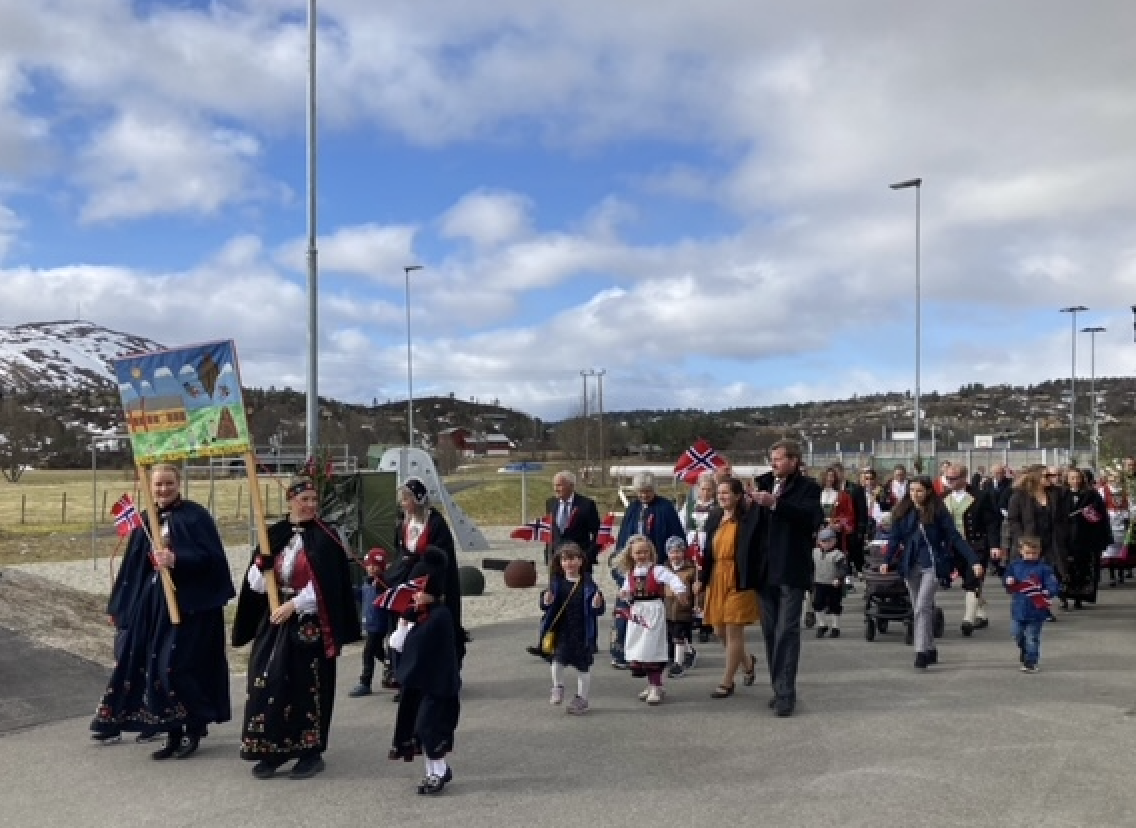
<point x="59" y="501"/>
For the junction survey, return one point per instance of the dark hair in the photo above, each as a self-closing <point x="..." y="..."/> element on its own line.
<point x="791" y="448"/>
<point x="738" y="488"/>
<point x="931" y="505"/>
<point x="568" y="549"/>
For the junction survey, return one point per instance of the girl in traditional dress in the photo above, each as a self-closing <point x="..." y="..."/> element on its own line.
<point x="291" y="672"/>
<point x="167" y="677"/>
<point x="429" y="675"/>
<point x="1116" y="503"/>
<point x="729" y="577"/>
<point x="571" y="605"/>
<point x="645" y="646"/>
<point x="694" y="516"/>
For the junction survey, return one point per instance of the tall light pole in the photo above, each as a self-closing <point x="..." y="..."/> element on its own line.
<point x="917" y="183"/>
<point x="312" y="425"/>
<point x="603" y="458"/>
<point x="587" y="459"/>
<point x="1093" y="391"/>
<point x="406" y="271"/>
<point x="1073" y="310"/>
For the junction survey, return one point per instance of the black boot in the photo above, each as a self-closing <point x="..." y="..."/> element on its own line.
<point x="189" y="742"/>
<point x="173" y="742"/>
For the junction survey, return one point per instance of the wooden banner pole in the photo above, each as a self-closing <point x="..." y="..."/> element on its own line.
<point x="261" y="529"/>
<point x="156" y="535"/>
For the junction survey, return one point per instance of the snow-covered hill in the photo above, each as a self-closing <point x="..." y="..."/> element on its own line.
<point x="62" y="356"/>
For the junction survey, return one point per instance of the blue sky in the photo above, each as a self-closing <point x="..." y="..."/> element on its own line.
<point x="693" y="200"/>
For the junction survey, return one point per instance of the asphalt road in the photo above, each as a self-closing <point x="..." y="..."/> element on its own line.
<point x="971" y="742"/>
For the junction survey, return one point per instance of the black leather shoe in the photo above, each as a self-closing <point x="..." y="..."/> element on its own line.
<point x="967" y="628"/>
<point x="307" y="767"/>
<point x="535" y="651"/>
<point x="784" y="708"/>
<point x="921" y="661"/>
<point x="932" y="656"/>
<point x="266" y="768"/>
<point x="981" y="623"/>
<point x="835" y="633"/>
<point x="188" y="746"/>
<point x="173" y="742"/>
<point x="434" y="784"/>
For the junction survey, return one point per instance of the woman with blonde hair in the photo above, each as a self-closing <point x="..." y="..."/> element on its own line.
<point x="1039" y="508"/>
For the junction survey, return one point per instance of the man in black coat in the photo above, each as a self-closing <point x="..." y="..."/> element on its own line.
<point x="574" y="518"/>
<point x="998" y="489"/>
<point x="791" y="502"/>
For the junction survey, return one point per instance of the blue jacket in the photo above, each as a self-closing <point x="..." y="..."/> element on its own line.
<point x="905" y="540"/>
<point x="660" y="516"/>
<point x="374" y="619"/>
<point x="561" y="588"/>
<point x="1024" y="608"/>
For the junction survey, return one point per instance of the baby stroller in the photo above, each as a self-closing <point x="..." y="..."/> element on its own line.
<point x="886" y="600"/>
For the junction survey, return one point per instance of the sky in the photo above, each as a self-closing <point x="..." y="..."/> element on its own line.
<point x="690" y="197"/>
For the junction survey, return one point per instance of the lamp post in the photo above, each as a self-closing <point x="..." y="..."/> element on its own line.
<point x="1093" y="331"/>
<point x="406" y="271"/>
<point x="312" y="414"/>
<point x="917" y="183"/>
<point x="1073" y="310"/>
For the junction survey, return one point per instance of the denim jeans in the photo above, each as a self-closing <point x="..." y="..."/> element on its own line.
<point x="1028" y="636"/>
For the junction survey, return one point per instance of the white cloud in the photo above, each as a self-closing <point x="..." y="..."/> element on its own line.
<point x="371" y="250"/>
<point x="487" y="218"/>
<point x="145" y="165"/>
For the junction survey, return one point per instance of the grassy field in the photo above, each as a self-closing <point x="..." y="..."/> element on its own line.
<point x="48" y="515"/>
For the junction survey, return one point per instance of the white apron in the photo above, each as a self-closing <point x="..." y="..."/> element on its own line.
<point x="646" y="640"/>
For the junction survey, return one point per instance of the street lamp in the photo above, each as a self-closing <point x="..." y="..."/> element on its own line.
<point x="407" y="270"/>
<point x="1073" y="310"/>
<point x="917" y="183"/>
<point x="312" y="408"/>
<point x="1093" y="391"/>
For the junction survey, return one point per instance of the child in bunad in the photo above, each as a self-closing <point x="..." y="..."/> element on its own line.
<point x="571" y="605"/>
<point x="643" y="588"/>
<point x="430" y="676"/>
<point x="680" y="616"/>
<point x="374" y="622"/>
<point x="829" y="570"/>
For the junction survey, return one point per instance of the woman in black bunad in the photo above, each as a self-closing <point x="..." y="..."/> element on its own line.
<point x="167" y="677"/>
<point x="291" y="673"/>
<point x="419" y="527"/>
<point x="429" y="674"/>
<point x="1089" y="535"/>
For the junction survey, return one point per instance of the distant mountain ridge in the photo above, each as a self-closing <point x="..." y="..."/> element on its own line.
<point x="64" y="356"/>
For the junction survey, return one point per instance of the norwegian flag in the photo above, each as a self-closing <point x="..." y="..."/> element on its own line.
<point x="606" y="536"/>
<point x="1032" y="589"/>
<point x="399" y="599"/>
<point x="539" y="531"/>
<point x="697" y="459"/>
<point x="126" y="517"/>
<point x="628" y="615"/>
<point x="1091" y="515"/>
<point x="694" y="553"/>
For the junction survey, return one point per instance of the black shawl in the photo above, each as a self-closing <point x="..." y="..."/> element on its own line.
<point x="328" y="561"/>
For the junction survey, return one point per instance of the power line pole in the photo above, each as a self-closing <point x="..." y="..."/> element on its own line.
<point x="603" y="456"/>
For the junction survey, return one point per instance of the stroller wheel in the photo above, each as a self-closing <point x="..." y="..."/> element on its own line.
<point x="869" y="629"/>
<point x="810" y="619"/>
<point x="938" y="624"/>
<point x="883" y="625"/>
<point x="909" y="633"/>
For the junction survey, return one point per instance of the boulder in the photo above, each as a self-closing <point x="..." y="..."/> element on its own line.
<point x="472" y="581"/>
<point x="520" y="574"/>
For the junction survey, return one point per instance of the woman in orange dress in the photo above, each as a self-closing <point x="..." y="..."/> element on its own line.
<point x="729" y="578"/>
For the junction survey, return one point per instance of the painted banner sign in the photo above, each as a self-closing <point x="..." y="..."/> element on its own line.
<point x="183" y="403"/>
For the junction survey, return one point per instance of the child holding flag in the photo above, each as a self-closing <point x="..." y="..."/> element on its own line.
<point x="1032" y="583"/>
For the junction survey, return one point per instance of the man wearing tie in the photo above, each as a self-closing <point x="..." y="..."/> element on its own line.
<point x="792" y="515"/>
<point x="574" y="518"/>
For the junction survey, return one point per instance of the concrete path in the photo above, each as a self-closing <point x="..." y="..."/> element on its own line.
<point x="972" y="742"/>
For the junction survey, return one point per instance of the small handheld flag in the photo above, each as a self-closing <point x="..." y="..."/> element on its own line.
<point x="697" y="459"/>
<point x="126" y="517"/>
<point x="606" y="536"/>
<point x="1032" y="589"/>
<point x="399" y="599"/>
<point x="539" y="531"/>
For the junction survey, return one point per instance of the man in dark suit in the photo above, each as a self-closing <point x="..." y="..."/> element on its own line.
<point x="793" y="515"/>
<point x="574" y="518"/>
<point x="999" y="488"/>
